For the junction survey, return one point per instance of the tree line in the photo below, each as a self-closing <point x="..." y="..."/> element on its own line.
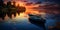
<point x="10" y="9"/>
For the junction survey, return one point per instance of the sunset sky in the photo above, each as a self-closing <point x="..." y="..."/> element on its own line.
<point x="34" y="5"/>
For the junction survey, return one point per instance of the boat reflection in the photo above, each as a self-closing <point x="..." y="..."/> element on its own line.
<point x="37" y="20"/>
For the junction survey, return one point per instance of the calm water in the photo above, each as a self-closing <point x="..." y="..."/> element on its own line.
<point x="21" y="22"/>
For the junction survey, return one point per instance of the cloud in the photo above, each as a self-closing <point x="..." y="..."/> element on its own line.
<point x="55" y="1"/>
<point x="28" y="4"/>
<point x="39" y="2"/>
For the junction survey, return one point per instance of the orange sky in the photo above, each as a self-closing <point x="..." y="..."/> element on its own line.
<point x="29" y="8"/>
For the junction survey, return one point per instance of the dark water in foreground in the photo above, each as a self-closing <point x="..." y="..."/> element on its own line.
<point x="18" y="23"/>
<point x="22" y="23"/>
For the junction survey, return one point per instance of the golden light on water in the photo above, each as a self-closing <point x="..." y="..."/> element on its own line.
<point x="22" y="15"/>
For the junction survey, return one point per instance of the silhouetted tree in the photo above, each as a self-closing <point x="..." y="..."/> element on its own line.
<point x="20" y="9"/>
<point x="1" y="2"/>
<point x="10" y="9"/>
<point x="9" y="4"/>
<point x="14" y="3"/>
<point x="2" y="11"/>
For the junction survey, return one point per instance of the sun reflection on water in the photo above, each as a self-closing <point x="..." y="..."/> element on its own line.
<point x="22" y="15"/>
